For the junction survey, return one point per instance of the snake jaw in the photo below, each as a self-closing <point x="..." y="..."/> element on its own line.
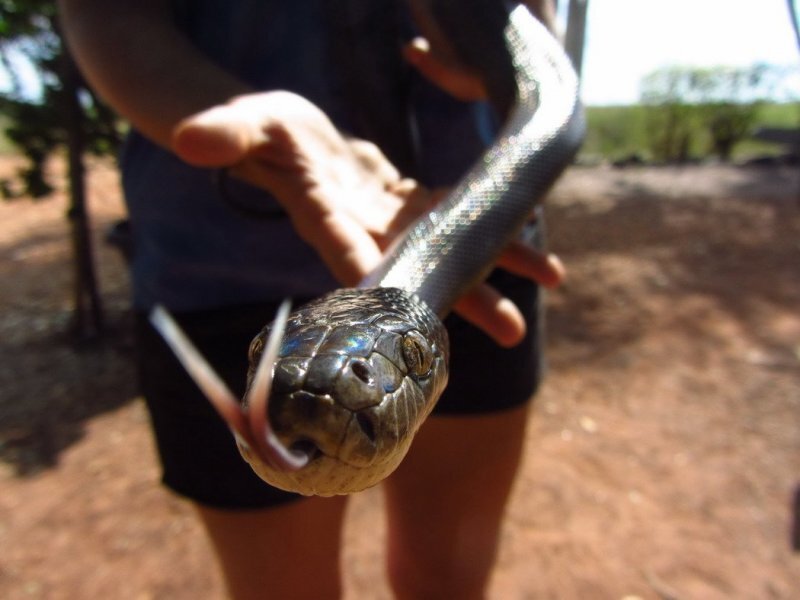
<point x="250" y="427"/>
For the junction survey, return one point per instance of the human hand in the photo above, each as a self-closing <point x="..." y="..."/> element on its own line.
<point x="342" y="195"/>
<point x="433" y="56"/>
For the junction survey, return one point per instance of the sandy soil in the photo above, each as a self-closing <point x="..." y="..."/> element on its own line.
<point x="663" y="458"/>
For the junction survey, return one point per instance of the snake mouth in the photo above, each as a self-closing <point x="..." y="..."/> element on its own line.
<point x="306" y="448"/>
<point x="355" y="444"/>
<point x="366" y="425"/>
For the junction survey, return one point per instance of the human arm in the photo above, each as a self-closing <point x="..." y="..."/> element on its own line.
<point x="343" y="196"/>
<point x="131" y="53"/>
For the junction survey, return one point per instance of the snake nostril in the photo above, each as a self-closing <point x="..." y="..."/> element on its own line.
<point x="366" y="425"/>
<point x="363" y="371"/>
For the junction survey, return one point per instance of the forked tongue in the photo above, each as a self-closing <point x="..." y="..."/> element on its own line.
<point x="250" y="426"/>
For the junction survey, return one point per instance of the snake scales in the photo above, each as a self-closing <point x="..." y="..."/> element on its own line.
<point x="353" y="374"/>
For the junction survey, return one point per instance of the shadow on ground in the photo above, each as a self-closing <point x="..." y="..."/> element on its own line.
<point x="51" y="384"/>
<point x="738" y="253"/>
<point x="41" y="415"/>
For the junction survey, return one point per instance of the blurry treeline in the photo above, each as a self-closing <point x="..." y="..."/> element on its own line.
<point x="690" y="113"/>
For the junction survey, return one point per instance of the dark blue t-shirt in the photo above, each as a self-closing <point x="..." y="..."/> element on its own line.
<point x="192" y="250"/>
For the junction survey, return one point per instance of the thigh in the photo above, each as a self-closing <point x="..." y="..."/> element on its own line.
<point x="446" y="502"/>
<point x="289" y="552"/>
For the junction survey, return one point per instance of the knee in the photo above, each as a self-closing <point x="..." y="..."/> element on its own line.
<point x="451" y="574"/>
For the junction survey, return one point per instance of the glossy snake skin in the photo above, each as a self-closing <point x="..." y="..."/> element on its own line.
<point x="357" y="371"/>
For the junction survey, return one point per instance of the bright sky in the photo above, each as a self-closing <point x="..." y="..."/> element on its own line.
<point x="627" y="39"/>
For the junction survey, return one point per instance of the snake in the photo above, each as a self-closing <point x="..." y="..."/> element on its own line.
<point x="338" y="388"/>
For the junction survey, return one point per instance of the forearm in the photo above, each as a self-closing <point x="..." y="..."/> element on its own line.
<point x="130" y="52"/>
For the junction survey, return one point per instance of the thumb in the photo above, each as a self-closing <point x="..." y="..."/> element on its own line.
<point x="217" y="137"/>
<point x="442" y="72"/>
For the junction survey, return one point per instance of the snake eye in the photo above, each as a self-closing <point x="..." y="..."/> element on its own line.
<point x="417" y="353"/>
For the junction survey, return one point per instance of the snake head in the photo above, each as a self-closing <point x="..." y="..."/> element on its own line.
<point x="335" y="391"/>
<point x="356" y="374"/>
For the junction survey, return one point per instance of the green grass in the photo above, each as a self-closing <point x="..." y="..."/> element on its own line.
<point x="614" y="132"/>
<point x="618" y="132"/>
<point x="780" y="115"/>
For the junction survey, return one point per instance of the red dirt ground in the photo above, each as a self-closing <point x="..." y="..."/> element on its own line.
<point x="663" y="458"/>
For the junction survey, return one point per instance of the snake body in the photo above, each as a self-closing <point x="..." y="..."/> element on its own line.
<point x="358" y="370"/>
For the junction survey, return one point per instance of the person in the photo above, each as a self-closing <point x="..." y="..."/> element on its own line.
<point x="307" y="205"/>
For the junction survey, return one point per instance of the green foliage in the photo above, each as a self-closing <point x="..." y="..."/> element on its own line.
<point x="618" y="133"/>
<point x="35" y="131"/>
<point x="23" y="18"/>
<point x="686" y="107"/>
<point x="670" y="127"/>
<point x="778" y="115"/>
<point x="728" y="123"/>
<point x="613" y="132"/>
<point x="38" y="126"/>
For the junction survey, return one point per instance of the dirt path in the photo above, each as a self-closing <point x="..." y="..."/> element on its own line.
<point x="663" y="454"/>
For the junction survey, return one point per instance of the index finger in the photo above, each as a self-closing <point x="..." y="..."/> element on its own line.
<point x="543" y="268"/>
<point x="494" y="314"/>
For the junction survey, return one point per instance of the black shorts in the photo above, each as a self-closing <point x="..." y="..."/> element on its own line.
<point x="199" y="457"/>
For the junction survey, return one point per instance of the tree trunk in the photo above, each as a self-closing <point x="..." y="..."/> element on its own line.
<point x="795" y="24"/>
<point x="576" y="32"/>
<point x="88" y="321"/>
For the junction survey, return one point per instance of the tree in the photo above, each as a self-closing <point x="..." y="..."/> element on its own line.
<point x="29" y="31"/>
<point x="685" y="103"/>
<point x="25" y="31"/>
<point x="669" y="119"/>
<point x="66" y="115"/>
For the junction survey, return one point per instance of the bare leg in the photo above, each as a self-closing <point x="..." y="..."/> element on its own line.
<point x="446" y="503"/>
<point x="288" y="552"/>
